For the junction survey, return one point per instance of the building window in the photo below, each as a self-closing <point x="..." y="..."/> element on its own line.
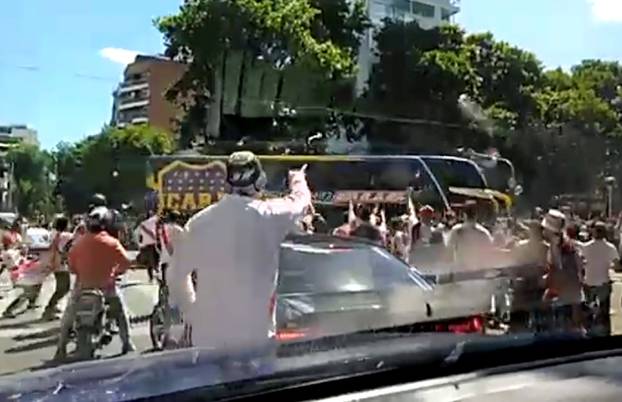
<point x="445" y="14"/>
<point x="402" y="6"/>
<point x="423" y="10"/>
<point x="378" y="11"/>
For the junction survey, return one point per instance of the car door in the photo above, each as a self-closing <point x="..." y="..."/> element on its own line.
<point x="462" y="298"/>
<point x="326" y="291"/>
<point x="405" y="294"/>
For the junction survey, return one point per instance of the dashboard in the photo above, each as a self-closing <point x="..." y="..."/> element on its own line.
<point x="598" y="379"/>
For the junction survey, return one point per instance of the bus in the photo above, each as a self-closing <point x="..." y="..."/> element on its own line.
<point x="335" y="180"/>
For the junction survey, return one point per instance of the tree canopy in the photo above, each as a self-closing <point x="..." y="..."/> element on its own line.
<point x="33" y="177"/>
<point x="112" y="162"/>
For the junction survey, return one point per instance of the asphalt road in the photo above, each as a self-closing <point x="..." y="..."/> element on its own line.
<point x="28" y="343"/>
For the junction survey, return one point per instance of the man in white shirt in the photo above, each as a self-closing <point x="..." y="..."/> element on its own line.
<point x="600" y="256"/>
<point x="146" y="237"/>
<point x="471" y="243"/>
<point x="233" y="246"/>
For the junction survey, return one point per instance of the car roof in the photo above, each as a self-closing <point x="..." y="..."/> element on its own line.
<point x="325" y="239"/>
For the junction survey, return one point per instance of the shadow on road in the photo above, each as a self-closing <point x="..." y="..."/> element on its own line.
<point x="52" y="332"/>
<point x="32" y="346"/>
<point x="19" y="325"/>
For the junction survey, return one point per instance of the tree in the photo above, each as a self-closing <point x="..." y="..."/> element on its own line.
<point x="33" y="177"/>
<point x="420" y="73"/>
<point x="586" y="98"/>
<point x="112" y="162"/>
<point x="322" y="35"/>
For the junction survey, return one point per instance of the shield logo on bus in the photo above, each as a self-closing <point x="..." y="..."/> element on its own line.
<point x="186" y="187"/>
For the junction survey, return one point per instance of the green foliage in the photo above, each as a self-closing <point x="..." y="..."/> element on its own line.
<point x="322" y="36"/>
<point x="283" y="31"/>
<point x="33" y="179"/>
<point x="111" y="162"/>
<point x="422" y="73"/>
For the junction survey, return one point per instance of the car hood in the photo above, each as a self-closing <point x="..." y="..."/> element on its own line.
<point x="401" y="357"/>
<point x="128" y="378"/>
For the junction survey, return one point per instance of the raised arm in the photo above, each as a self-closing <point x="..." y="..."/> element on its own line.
<point x="288" y="209"/>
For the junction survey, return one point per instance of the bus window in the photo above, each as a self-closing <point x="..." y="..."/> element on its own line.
<point x="455" y="173"/>
<point x="339" y="175"/>
<point x="498" y="177"/>
<point x="372" y="174"/>
<point x="276" y="173"/>
<point x="400" y="174"/>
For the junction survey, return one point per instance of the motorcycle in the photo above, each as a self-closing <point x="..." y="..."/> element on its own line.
<point x="93" y="326"/>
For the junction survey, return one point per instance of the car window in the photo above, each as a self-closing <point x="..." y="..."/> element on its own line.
<point x="317" y="269"/>
<point x="314" y="269"/>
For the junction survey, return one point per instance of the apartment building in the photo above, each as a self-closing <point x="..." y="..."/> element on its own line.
<point x="428" y="14"/>
<point x="141" y="97"/>
<point x="10" y="135"/>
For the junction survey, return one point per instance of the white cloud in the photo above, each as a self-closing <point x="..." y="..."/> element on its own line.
<point x="117" y="55"/>
<point x="606" y="10"/>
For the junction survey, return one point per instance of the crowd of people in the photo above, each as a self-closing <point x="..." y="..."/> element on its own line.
<point x="237" y="264"/>
<point x="566" y="258"/>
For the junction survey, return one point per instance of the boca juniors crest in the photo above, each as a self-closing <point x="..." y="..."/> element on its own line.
<point x="186" y="187"/>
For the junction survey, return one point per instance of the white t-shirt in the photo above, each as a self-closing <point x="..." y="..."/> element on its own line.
<point x="599" y="254"/>
<point x="145" y="233"/>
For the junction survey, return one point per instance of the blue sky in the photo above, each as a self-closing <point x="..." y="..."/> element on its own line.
<point x="60" y="60"/>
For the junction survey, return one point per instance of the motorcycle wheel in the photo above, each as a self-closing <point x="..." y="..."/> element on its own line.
<point x="158" y="330"/>
<point x="85" y="348"/>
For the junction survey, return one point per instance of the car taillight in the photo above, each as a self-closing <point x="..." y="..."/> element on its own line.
<point x="468" y="326"/>
<point x="291" y="334"/>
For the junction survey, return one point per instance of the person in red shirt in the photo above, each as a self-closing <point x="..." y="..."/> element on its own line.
<point x="12" y="237"/>
<point x="96" y="260"/>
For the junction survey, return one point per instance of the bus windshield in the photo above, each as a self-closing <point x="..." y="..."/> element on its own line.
<point x="498" y="176"/>
<point x="452" y="172"/>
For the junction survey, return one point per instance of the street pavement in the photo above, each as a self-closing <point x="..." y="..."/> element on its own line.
<point x="26" y="342"/>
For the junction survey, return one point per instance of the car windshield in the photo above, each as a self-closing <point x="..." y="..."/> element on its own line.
<point x="228" y="193"/>
<point x="326" y="268"/>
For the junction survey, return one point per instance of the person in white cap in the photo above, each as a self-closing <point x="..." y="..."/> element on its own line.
<point x="564" y="271"/>
<point x="233" y="246"/>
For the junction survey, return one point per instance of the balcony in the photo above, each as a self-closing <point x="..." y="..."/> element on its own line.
<point x="140" y="120"/>
<point x="133" y="105"/>
<point x="126" y="87"/>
